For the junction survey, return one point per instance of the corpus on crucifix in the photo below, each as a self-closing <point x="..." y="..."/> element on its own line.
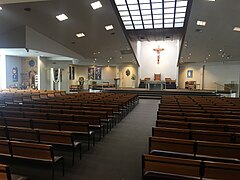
<point x="158" y="50"/>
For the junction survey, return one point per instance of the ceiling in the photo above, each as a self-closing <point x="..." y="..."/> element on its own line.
<point x="215" y="42"/>
<point x="97" y="47"/>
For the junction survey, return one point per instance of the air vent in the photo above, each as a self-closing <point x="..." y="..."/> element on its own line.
<point x="126" y="51"/>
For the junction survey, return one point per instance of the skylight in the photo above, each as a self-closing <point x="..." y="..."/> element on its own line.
<point x="152" y="14"/>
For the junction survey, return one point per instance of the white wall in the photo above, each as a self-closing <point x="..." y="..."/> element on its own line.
<point x="12" y="61"/>
<point x="222" y="73"/>
<point x="148" y="59"/>
<point x="2" y="71"/>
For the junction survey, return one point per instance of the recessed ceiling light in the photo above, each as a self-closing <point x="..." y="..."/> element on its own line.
<point x="61" y="17"/>
<point x="201" y="23"/>
<point x="96" y="5"/>
<point x="80" y="35"/>
<point x="236" y="29"/>
<point x="211" y="0"/>
<point x="0" y="8"/>
<point x="108" y="61"/>
<point x="109" y="27"/>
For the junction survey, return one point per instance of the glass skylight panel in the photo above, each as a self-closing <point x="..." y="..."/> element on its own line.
<point x="127" y="23"/>
<point x="138" y="26"/>
<point x="133" y="7"/>
<point x="168" y="20"/>
<point x="148" y="26"/>
<point x="156" y="1"/>
<point x="146" y="12"/>
<point x="132" y="1"/>
<point x="181" y="9"/>
<point x="122" y="8"/>
<point x="126" y="18"/>
<point x="147" y="17"/>
<point x="168" y="25"/>
<point x="147" y="22"/>
<point x="142" y="14"/>
<point x="169" y="16"/>
<point x="158" y="26"/>
<point x="145" y="6"/>
<point x="157" y="16"/>
<point x="168" y="10"/>
<point x="129" y="27"/>
<point x="124" y="13"/>
<point x="179" y="20"/>
<point x="135" y="13"/>
<point x="178" y="15"/>
<point x="120" y="2"/>
<point x="169" y="4"/>
<point x="144" y="1"/>
<point x="157" y="21"/>
<point x="157" y="11"/>
<point x="181" y="3"/>
<point x="137" y="22"/>
<point x="179" y="24"/>
<point x="136" y="18"/>
<point x="156" y="5"/>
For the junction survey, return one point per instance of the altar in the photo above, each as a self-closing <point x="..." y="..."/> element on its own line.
<point x="156" y="85"/>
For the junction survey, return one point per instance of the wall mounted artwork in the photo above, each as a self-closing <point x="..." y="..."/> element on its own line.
<point x="189" y="73"/>
<point x="98" y="73"/>
<point x="90" y="73"/>
<point x="15" y="74"/>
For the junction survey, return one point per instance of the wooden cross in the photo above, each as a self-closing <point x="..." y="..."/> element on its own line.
<point x="158" y="50"/>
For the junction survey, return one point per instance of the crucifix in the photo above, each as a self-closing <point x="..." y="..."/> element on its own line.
<point x="158" y="50"/>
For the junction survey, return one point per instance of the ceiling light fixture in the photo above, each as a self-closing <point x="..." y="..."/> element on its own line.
<point x="0" y="8"/>
<point x="96" y="5"/>
<point x="201" y="23"/>
<point x="79" y="35"/>
<point x="109" y="27"/>
<point x="237" y="29"/>
<point x="211" y="0"/>
<point x="61" y="17"/>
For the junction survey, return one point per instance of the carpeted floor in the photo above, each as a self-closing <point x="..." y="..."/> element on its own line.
<point x="116" y="157"/>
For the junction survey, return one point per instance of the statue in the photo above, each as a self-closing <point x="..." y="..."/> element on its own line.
<point x="81" y="82"/>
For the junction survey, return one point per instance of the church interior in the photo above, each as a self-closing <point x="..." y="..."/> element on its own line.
<point x="119" y="89"/>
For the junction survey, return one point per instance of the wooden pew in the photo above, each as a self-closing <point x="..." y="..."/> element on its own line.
<point x="223" y="171"/>
<point x="5" y="174"/>
<point x="78" y="128"/>
<point x="60" y="138"/>
<point x="35" y="152"/>
<point x="171" y="165"/>
<point x="215" y="136"/>
<point x="197" y="148"/>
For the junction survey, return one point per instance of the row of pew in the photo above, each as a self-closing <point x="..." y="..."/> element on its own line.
<point x="195" y="137"/>
<point x="36" y="129"/>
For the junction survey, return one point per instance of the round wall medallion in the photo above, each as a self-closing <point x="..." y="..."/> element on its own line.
<point x="128" y="72"/>
<point x="31" y="63"/>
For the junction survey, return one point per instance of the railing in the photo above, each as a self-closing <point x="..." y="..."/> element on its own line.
<point x="225" y="89"/>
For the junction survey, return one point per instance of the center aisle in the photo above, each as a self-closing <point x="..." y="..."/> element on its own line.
<point x="118" y="155"/>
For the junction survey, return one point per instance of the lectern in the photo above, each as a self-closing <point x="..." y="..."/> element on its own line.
<point x="116" y="80"/>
